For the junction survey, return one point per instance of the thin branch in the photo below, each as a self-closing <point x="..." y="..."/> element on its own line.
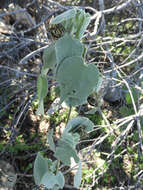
<point x="13" y="12"/>
<point x="117" y="8"/>
<point x="70" y="109"/>
<point x="32" y="54"/>
<point x="17" y="71"/>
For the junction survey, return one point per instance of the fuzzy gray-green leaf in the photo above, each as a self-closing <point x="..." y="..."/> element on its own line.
<point x="77" y="80"/>
<point x="42" y="90"/>
<point x="64" y="16"/>
<point x="71" y="138"/>
<point x="77" y="122"/>
<point x="42" y="86"/>
<point x="68" y="47"/>
<point x="60" y="179"/>
<point x="64" y="153"/>
<point x="82" y="20"/>
<point x="49" y="180"/>
<point x="40" y="168"/>
<point x="49" y="57"/>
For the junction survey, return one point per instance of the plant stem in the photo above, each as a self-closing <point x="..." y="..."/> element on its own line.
<point x="69" y="114"/>
<point x="57" y="166"/>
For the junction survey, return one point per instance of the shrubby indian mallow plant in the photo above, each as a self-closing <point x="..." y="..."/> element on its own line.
<point x="76" y="80"/>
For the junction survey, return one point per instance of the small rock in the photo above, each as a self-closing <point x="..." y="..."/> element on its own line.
<point x="7" y="176"/>
<point x="111" y="92"/>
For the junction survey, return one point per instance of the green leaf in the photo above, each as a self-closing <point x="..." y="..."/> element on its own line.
<point x="64" y="153"/>
<point x="82" y="20"/>
<point x="125" y="111"/>
<point x="68" y="47"/>
<point x="42" y="90"/>
<point x="76" y="80"/>
<point x="75" y="22"/>
<point x="78" y="176"/>
<point x="42" y="86"/>
<point x="50" y="140"/>
<point x="49" y="180"/>
<point x="41" y="166"/>
<point x="128" y="97"/>
<point x="60" y="179"/>
<point x="40" y="109"/>
<point x="71" y="139"/>
<point x="55" y="188"/>
<point x="49" y="58"/>
<point x="64" y="16"/>
<point x="69" y="26"/>
<point x="77" y="122"/>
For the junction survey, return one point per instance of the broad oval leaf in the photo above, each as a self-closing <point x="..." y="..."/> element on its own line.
<point x="40" y="168"/>
<point x="77" y="80"/>
<point x="61" y="180"/>
<point x="55" y="188"/>
<point x="77" y="122"/>
<point x="64" y="16"/>
<point x="68" y="47"/>
<point x="64" y="153"/>
<point x="49" y="57"/>
<point x="71" y="138"/>
<point x="49" y="180"/>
